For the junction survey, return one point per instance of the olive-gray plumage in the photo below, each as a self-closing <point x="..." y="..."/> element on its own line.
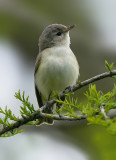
<point x="50" y="37"/>
<point x="56" y="66"/>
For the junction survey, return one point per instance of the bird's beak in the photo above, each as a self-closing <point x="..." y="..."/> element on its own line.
<point x="69" y="28"/>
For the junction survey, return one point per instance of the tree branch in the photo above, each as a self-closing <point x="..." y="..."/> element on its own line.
<point x="39" y="113"/>
<point x="91" y="80"/>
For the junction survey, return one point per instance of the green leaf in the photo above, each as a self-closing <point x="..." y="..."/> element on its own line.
<point x="109" y="67"/>
<point x="113" y="76"/>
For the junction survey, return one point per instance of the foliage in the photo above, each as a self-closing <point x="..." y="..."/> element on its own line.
<point x="95" y="100"/>
<point x="95" y="110"/>
<point x="9" y="118"/>
<point x="70" y="108"/>
<point x="109" y="67"/>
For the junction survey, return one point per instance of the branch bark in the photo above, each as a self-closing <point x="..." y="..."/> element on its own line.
<point x="39" y="113"/>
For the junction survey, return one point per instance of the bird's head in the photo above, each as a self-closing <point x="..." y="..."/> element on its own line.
<point x="55" y="35"/>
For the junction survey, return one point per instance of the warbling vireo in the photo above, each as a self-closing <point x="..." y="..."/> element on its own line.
<point x="56" y="66"/>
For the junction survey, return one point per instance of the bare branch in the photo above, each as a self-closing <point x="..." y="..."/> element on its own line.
<point x="91" y="80"/>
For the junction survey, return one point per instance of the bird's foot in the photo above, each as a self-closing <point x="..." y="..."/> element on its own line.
<point x="48" y="107"/>
<point x="70" y="88"/>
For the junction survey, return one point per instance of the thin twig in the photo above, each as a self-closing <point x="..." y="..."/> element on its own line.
<point x="38" y="114"/>
<point x="56" y="117"/>
<point x="103" y="112"/>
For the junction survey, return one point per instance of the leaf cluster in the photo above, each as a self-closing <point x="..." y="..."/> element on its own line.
<point x="95" y="100"/>
<point x="7" y="121"/>
<point x="9" y="118"/>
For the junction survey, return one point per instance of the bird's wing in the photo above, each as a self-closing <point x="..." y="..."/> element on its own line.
<point x="38" y="61"/>
<point x="38" y="94"/>
<point x="79" y="68"/>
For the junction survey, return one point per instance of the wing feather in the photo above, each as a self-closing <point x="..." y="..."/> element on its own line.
<point x="38" y="94"/>
<point x="39" y="98"/>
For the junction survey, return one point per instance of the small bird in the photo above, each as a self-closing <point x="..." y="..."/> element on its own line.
<point x="56" y="66"/>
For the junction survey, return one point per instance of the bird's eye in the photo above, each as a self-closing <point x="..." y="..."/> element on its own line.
<point x="59" y="34"/>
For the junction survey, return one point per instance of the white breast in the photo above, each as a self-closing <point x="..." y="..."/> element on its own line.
<point x="58" y="70"/>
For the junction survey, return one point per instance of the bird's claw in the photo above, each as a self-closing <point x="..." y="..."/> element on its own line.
<point x="70" y="88"/>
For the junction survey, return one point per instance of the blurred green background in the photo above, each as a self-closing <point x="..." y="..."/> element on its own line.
<point x="93" y="41"/>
